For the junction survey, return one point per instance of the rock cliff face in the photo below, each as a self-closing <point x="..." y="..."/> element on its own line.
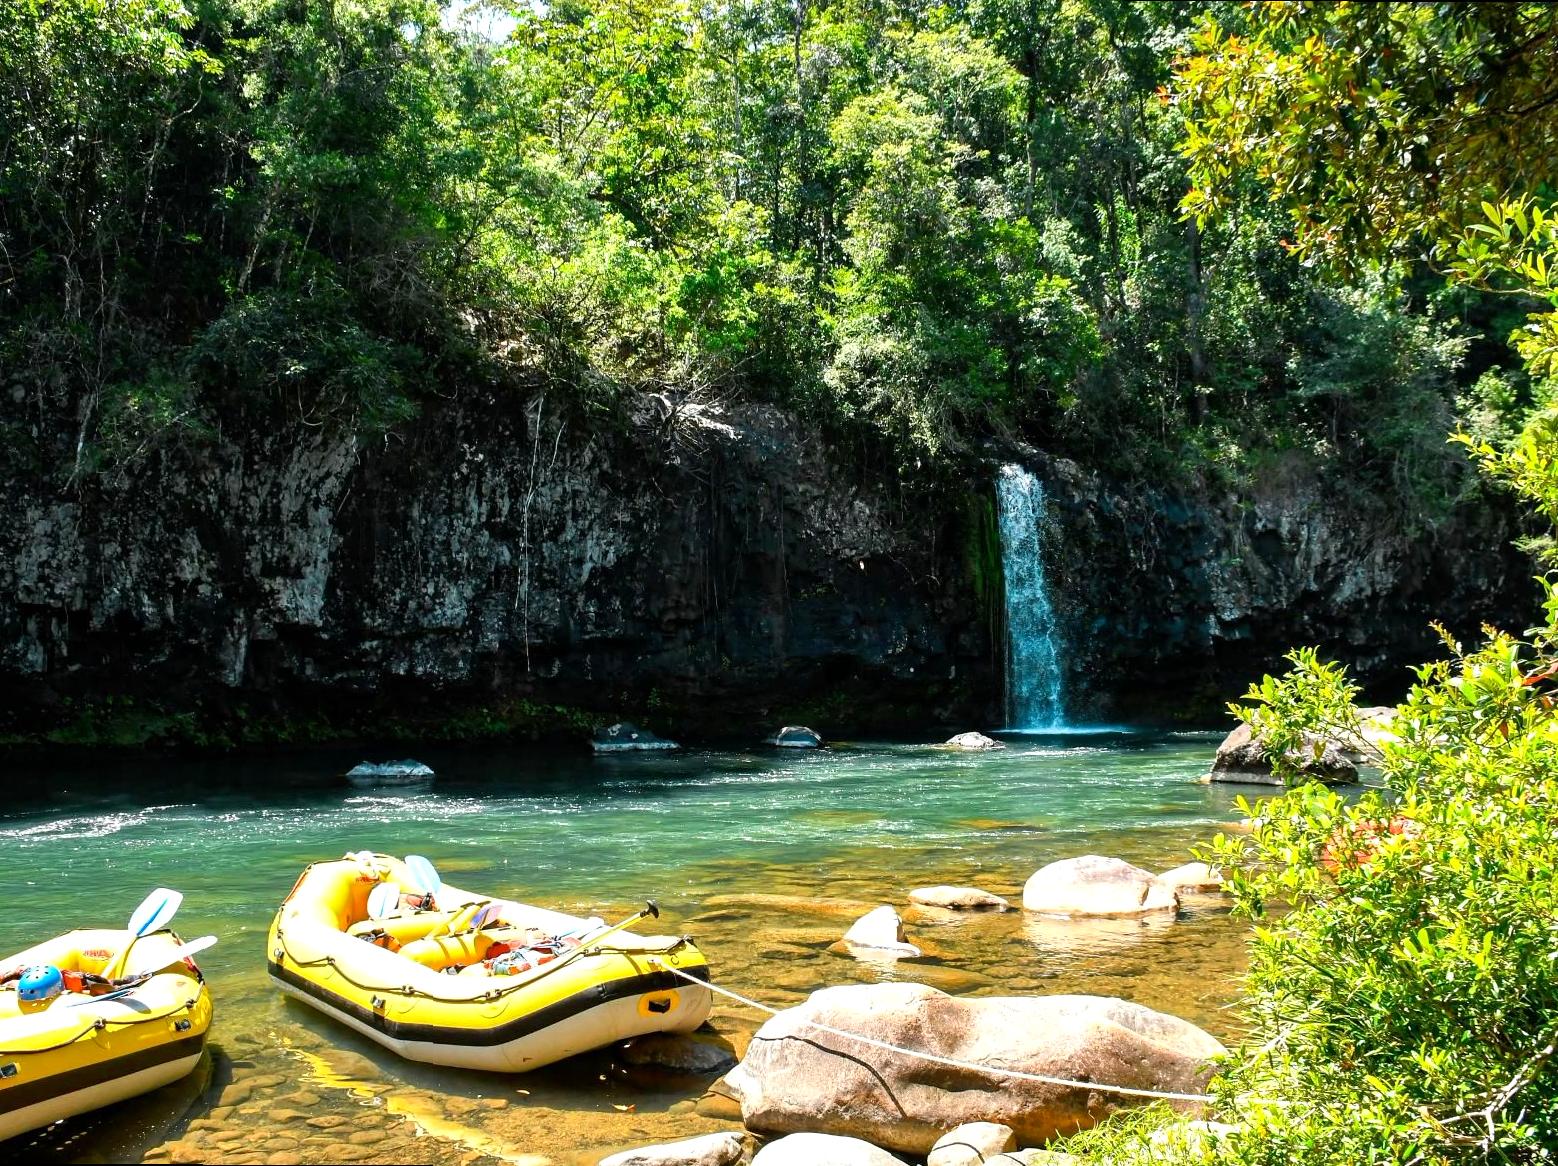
<point x="700" y="570"/>
<point x="489" y="552"/>
<point x="1175" y="601"/>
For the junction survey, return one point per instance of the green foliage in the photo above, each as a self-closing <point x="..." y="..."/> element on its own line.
<point x="920" y="226"/>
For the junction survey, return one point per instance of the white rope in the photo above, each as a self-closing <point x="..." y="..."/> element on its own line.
<point x="953" y="1062"/>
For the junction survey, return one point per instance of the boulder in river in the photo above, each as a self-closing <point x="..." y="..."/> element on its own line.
<point x="1094" y="885"/>
<point x="721" y="1149"/>
<point x="958" y="898"/>
<point x="796" y="737"/>
<point x="972" y="742"/>
<point x="971" y="1144"/>
<point x="799" y="1077"/>
<point x="624" y="737"/>
<point x="881" y="931"/>
<point x="813" y="1149"/>
<point x="388" y="772"/>
<point x="1243" y="758"/>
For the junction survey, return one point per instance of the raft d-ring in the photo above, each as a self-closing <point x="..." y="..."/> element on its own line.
<point x="9" y="1070"/>
<point x="658" y="1003"/>
<point x="377" y="1002"/>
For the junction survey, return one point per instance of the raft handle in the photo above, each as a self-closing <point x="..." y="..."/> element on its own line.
<point x="9" y="1070"/>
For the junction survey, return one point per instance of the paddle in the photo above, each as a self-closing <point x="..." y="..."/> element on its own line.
<point x="423" y="872"/>
<point x="182" y="951"/>
<point x="383" y="900"/>
<point x="155" y="912"/>
<point x="651" y="911"/>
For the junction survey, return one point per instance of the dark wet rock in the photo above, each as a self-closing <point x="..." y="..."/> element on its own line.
<point x="681" y="1054"/>
<point x="1244" y="759"/>
<point x="791" y="1080"/>
<point x="796" y="737"/>
<point x="624" y="737"/>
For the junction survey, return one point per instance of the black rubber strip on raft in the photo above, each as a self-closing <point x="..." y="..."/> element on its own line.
<point x="520" y="1026"/>
<point x="27" y="1093"/>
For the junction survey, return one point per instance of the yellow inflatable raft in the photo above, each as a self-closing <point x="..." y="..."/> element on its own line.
<point x="473" y="983"/>
<point x="75" y="1052"/>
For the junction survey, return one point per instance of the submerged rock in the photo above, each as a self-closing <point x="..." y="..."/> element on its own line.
<point x="798" y="1077"/>
<point x="958" y="898"/>
<point x="795" y="737"/>
<point x="1243" y="758"/>
<point x="881" y="931"/>
<point x="812" y="1149"/>
<point x="972" y="742"/>
<point x="1094" y="885"/>
<point x="721" y="1149"/>
<point x="624" y="737"/>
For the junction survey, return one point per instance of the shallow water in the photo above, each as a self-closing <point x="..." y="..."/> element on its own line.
<point x="764" y="856"/>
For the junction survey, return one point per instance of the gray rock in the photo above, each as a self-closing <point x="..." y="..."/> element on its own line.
<point x="796" y="737"/>
<point x="624" y="737"/>
<point x="798" y="1077"/>
<point x="972" y="742"/>
<point x="388" y="772"/>
<point x="971" y="1144"/>
<point x="721" y="1149"/>
<point x="958" y="898"/>
<point x="812" y="1149"/>
<point x="1093" y="885"/>
<point x="1241" y="758"/>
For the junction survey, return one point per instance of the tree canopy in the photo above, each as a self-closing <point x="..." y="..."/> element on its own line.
<point x="921" y="225"/>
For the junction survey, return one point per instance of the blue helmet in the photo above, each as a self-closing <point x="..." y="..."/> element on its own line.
<point x="42" y="982"/>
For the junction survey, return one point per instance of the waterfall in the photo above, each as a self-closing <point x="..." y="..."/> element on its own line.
<point x="1035" y="696"/>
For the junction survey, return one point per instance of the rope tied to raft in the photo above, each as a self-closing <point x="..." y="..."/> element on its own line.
<point x="951" y="1062"/>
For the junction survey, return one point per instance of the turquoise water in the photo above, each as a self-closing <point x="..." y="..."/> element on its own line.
<point x="696" y="830"/>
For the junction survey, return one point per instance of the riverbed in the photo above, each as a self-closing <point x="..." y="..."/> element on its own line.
<point x="764" y="856"/>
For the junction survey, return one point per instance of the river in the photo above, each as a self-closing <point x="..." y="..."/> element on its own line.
<point x="708" y="834"/>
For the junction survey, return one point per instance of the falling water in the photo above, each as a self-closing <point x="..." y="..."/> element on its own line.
<point x="1035" y="697"/>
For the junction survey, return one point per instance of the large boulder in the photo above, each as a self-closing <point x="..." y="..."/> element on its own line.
<point x="811" y="1149"/>
<point x="799" y="1077"/>
<point x="958" y="898"/>
<point x="722" y="1149"/>
<point x="796" y="737"/>
<point x="1094" y="885"/>
<point x="624" y="737"/>
<point x="972" y="742"/>
<point x="1244" y="758"/>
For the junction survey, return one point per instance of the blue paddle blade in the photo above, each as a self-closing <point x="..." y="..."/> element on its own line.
<point x="383" y="900"/>
<point x="155" y="912"/>
<point x="422" y="870"/>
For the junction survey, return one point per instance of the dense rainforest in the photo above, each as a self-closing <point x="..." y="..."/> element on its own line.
<point x="920" y="233"/>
